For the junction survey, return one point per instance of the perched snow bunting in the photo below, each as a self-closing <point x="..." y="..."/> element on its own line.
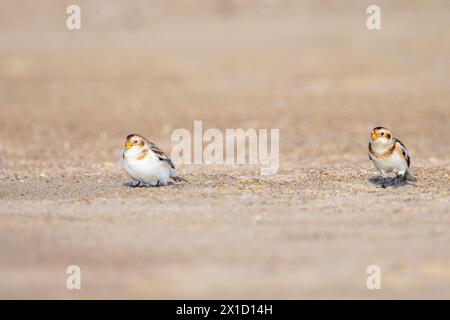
<point x="146" y="164"/>
<point x="388" y="154"/>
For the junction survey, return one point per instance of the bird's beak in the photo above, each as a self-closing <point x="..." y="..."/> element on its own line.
<point x="128" y="145"/>
<point x="374" y="136"/>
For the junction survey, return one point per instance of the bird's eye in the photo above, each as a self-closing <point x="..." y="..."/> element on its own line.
<point x="135" y="141"/>
<point x="382" y="133"/>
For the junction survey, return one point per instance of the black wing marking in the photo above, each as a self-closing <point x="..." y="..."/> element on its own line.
<point x="160" y="154"/>
<point x="404" y="151"/>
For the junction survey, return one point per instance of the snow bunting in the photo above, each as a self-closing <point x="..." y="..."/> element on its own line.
<point x="146" y="164"/>
<point x="388" y="154"/>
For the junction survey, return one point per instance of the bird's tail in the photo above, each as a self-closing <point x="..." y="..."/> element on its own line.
<point x="409" y="177"/>
<point x="179" y="179"/>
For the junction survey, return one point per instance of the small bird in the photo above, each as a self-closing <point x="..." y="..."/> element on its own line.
<point x="146" y="164"/>
<point x="389" y="154"/>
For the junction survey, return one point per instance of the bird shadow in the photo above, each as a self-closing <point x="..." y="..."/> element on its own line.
<point x="387" y="182"/>
<point x="130" y="184"/>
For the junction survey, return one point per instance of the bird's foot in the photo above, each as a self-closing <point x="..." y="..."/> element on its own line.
<point x="144" y="185"/>
<point x="134" y="184"/>
<point x="401" y="180"/>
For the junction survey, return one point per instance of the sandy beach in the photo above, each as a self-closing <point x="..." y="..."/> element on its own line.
<point x="311" y="69"/>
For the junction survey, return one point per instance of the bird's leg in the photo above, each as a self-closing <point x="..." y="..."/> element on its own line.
<point x="142" y="184"/>
<point x="402" y="178"/>
<point x="396" y="181"/>
<point x="135" y="184"/>
<point x="157" y="184"/>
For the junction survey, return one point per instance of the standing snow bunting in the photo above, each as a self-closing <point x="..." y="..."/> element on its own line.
<point x="146" y="164"/>
<point x="388" y="154"/>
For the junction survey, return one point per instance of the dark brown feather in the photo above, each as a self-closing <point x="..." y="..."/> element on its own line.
<point x="404" y="152"/>
<point x="161" y="155"/>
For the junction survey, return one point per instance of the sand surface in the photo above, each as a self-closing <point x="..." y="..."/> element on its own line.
<point x="310" y="69"/>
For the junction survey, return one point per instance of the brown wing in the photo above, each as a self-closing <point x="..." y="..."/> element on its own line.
<point x="404" y="152"/>
<point x="161" y="155"/>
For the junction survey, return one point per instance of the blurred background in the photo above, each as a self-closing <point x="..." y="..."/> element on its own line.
<point x="310" y="68"/>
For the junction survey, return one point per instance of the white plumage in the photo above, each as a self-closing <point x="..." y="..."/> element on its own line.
<point x="146" y="164"/>
<point x="388" y="155"/>
<point x="392" y="163"/>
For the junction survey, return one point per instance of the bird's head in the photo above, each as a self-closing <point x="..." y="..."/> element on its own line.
<point x="382" y="136"/>
<point x="135" y="141"/>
